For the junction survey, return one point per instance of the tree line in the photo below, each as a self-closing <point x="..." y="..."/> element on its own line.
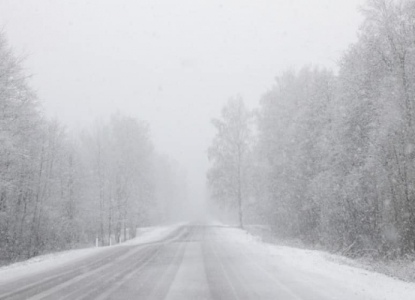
<point x="328" y="157"/>
<point x="60" y="189"/>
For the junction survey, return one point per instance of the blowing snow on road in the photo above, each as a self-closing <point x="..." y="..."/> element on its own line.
<point x="196" y="262"/>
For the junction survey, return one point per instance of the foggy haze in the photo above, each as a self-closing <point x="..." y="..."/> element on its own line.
<point x="207" y="149"/>
<point x="171" y="63"/>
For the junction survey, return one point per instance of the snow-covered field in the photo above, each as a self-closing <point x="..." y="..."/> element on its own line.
<point x="322" y="267"/>
<point x="46" y="262"/>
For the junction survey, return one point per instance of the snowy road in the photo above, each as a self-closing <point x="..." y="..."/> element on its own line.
<point x="192" y="262"/>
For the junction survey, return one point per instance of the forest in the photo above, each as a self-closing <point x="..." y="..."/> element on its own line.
<point x="62" y="188"/>
<point x="327" y="157"/>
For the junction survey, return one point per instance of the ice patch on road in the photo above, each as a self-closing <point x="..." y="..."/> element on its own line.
<point x="364" y="284"/>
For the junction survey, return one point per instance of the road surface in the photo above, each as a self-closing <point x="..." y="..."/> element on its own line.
<point x="194" y="262"/>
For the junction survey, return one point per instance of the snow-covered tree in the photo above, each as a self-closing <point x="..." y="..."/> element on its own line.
<point x="228" y="153"/>
<point x="57" y="189"/>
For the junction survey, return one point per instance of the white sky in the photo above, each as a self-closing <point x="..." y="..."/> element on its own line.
<point x="172" y="63"/>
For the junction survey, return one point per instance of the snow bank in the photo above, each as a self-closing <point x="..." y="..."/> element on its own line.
<point x="41" y="263"/>
<point x="365" y="284"/>
<point x="51" y="261"/>
<point x="151" y="234"/>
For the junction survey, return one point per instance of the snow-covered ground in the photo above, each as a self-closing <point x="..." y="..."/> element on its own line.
<point x="251" y="264"/>
<point x="322" y="267"/>
<point x="152" y="234"/>
<point x="50" y="261"/>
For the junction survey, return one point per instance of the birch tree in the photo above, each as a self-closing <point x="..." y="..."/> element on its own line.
<point x="227" y="178"/>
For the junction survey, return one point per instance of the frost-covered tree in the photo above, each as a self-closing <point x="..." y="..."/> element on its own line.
<point x="377" y="83"/>
<point x="227" y="178"/>
<point x="20" y="142"/>
<point x="59" y="190"/>
<point x="336" y="152"/>
<point x="291" y="139"/>
<point x="119" y="155"/>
